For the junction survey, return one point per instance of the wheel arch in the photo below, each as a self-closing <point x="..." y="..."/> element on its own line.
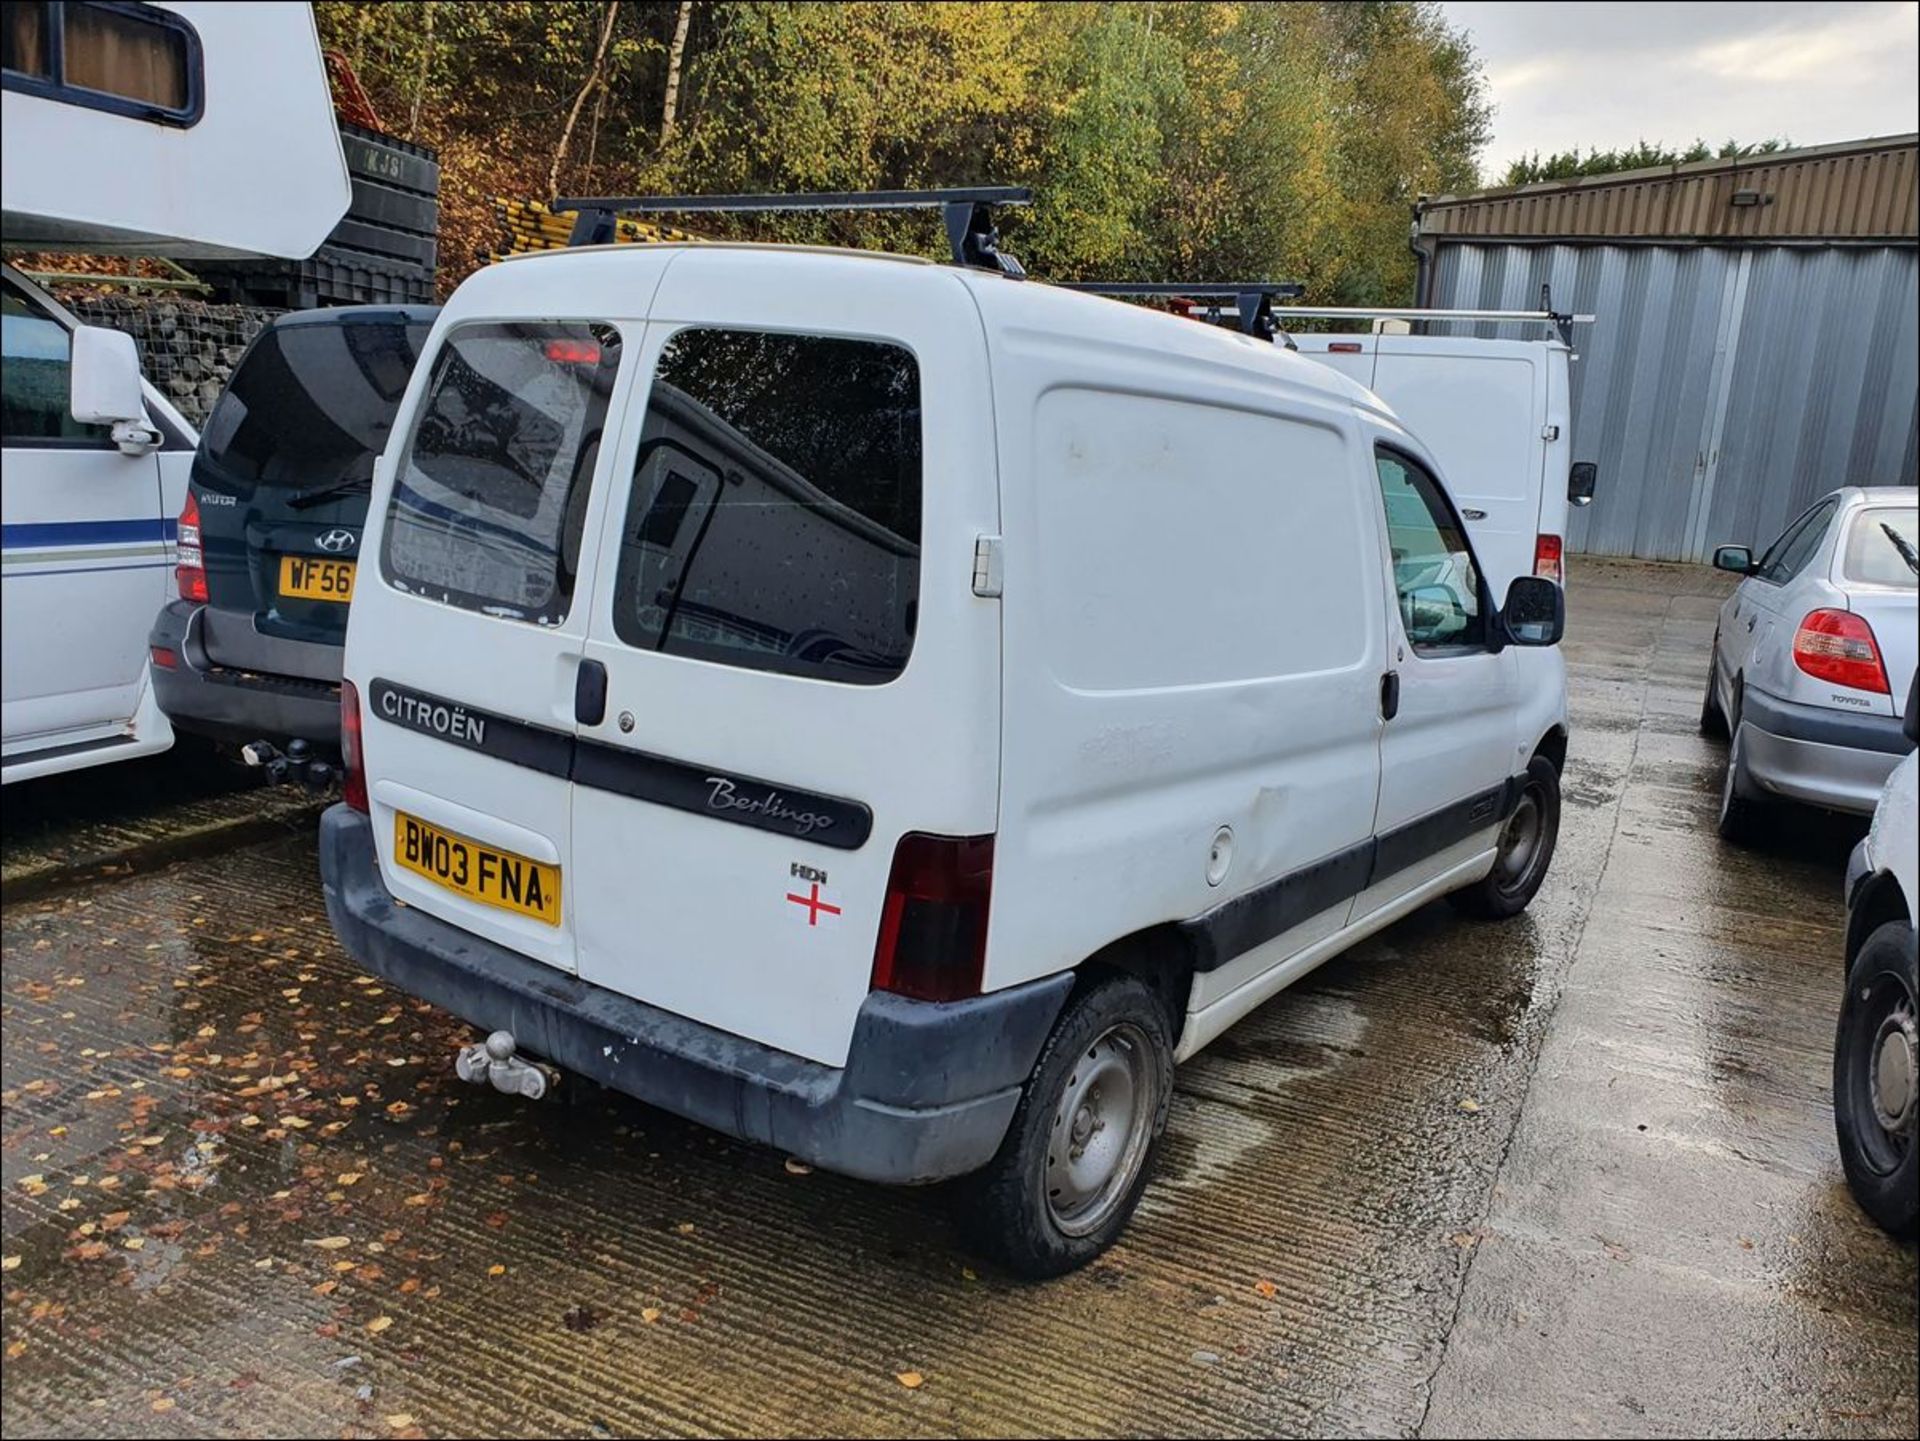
<point x="1553" y="746"/>
<point x="1878" y="900"/>
<point x="1160" y="956"/>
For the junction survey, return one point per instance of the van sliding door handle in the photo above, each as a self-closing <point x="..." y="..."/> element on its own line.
<point x="590" y="693"/>
<point x="1390" y="695"/>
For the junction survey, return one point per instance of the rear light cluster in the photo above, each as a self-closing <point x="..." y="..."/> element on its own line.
<point x="933" y="925"/>
<point x="353" y="766"/>
<point x="190" y="566"/>
<point x="1548" y="559"/>
<point x="1838" y="646"/>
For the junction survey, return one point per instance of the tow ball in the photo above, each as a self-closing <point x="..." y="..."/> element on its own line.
<point x="296" y="765"/>
<point x="494" y="1060"/>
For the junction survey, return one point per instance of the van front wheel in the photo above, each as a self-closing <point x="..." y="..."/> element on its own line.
<point x="1082" y="1141"/>
<point x="1525" y="849"/>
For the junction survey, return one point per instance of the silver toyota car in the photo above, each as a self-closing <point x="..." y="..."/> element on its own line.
<point x="1813" y="656"/>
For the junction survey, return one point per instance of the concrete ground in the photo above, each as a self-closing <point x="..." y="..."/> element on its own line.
<point x="1569" y="1175"/>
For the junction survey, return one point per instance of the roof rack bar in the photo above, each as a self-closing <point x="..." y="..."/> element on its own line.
<point x="1369" y="312"/>
<point x="967" y="213"/>
<point x="1252" y="300"/>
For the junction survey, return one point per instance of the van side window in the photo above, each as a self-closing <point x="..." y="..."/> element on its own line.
<point x="774" y="522"/>
<point x="35" y="388"/>
<point x="481" y="515"/>
<point x="1433" y="568"/>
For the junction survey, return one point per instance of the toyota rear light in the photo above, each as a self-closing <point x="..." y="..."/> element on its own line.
<point x="1838" y="646"/>
<point x="190" y="566"/>
<point x="933" y="925"/>
<point x="1548" y="559"/>
<point x="353" y="787"/>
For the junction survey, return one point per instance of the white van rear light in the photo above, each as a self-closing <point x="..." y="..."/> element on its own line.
<point x="190" y="568"/>
<point x="353" y="789"/>
<point x="933" y="926"/>
<point x="1548" y="560"/>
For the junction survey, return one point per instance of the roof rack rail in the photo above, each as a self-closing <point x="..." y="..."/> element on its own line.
<point x="967" y="214"/>
<point x="1562" y="321"/>
<point x="1252" y="300"/>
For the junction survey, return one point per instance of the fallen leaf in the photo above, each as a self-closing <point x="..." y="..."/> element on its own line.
<point x="8" y="1263"/>
<point x="346" y="1178"/>
<point x="1264" y="1288"/>
<point x="325" y="1288"/>
<point x="685" y="1228"/>
<point x="165" y="1403"/>
<point x="332" y="1243"/>
<point x="912" y="1380"/>
<point x="298" y="1123"/>
<point x="134" y="1243"/>
<point x="1469" y="1104"/>
<point x="650" y="1314"/>
<point x="400" y="1420"/>
<point x="114" y="1220"/>
<point x="798" y="1168"/>
<point x="496" y="1270"/>
<point x="379" y="1324"/>
<point x="17" y="1348"/>
<point x="421" y="1198"/>
<point x="1465" y="1240"/>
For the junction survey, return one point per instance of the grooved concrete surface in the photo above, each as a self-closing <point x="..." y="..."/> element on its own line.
<point x="1570" y="1174"/>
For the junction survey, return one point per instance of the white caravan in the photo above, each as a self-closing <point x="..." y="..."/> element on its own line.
<point x="894" y="712"/>
<point x="185" y="130"/>
<point x="1497" y="414"/>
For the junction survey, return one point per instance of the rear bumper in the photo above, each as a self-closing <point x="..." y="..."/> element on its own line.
<point x="926" y="1094"/>
<point x="242" y="704"/>
<point x="1820" y="756"/>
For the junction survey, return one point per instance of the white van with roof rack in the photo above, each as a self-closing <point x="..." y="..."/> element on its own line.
<point x="892" y="712"/>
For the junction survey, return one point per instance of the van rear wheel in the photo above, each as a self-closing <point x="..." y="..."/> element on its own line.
<point x="1081" y="1144"/>
<point x="1525" y="849"/>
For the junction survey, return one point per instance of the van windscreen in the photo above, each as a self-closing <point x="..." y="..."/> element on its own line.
<point x="311" y="404"/>
<point x="774" y="522"/>
<point x="490" y="495"/>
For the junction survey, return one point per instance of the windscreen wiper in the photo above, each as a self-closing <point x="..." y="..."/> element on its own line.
<point x="1904" y="546"/>
<point x="312" y="498"/>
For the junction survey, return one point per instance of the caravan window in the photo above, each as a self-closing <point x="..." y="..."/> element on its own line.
<point x="774" y="522"/>
<point x="130" y="59"/>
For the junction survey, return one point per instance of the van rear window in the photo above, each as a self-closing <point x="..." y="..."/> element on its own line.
<point x="774" y="522"/>
<point x="490" y="494"/>
<point x="311" y="404"/>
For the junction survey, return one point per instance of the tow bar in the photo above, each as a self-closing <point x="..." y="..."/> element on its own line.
<point x="493" y="1060"/>
<point x="296" y="765"/>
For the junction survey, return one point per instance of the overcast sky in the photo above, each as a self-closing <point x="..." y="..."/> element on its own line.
<point x="1605" y="75"/>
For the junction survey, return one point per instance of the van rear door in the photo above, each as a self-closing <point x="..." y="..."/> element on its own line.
<point x="797" y="669"/>
<point x="465" y="651"/>
<point x="1480" y="406"/>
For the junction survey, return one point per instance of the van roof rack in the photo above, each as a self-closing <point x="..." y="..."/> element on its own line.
<point x="1252" y="300"/>
<point x="1561" y="321"/>
<point x="967" y="214"/>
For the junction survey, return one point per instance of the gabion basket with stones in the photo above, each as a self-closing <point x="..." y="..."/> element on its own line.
<point x="188" y="348"/>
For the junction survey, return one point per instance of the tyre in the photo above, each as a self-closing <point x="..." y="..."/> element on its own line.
<point x="1526" y="850"/>
<point x="1876" y="1078"/>
<point x="1713" y="721"/>
<point x="1744" y="820"/>
<point x="1081" y="1144"/>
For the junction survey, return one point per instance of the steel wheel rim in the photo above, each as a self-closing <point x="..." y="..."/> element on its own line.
<point x="1100" y="1130"/>
<point x="1881" y="1072"/>
<point x="1520" y="840"/>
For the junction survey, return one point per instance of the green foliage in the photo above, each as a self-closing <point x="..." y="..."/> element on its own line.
<point x="1205" y="140"/>
<point x="1638" y="156"/>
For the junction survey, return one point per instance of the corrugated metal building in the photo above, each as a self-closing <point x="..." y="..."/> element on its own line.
<point x="1756" y="339"/>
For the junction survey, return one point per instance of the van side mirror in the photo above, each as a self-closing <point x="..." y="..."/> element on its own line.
<point x="105" y="381"/>
<point x="1535" y="612"/>
<point x="1580" y="482"/>
<point x="1736" y="558"/>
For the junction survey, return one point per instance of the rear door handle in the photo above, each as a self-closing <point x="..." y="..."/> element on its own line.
<point x="590" y="693"/>
<point x="1390" y="695"/>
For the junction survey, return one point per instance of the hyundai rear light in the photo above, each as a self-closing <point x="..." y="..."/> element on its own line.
<point x="353" y="787"/>
<point x="1838" y="646"/>
<point x="1548" y="561"/>
<point x="190" y="567"/>
<point x="933" y="925"/>
<point x="163" y="657"/>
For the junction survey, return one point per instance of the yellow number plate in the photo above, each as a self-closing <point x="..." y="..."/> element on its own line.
<point x="480" y="873"/>
<point x="310" y="578"/>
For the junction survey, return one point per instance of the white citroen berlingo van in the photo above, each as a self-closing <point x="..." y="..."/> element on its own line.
<point x="893" y="712"/>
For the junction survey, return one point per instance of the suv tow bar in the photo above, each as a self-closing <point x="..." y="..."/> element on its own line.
<point x="297" y="765"/>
